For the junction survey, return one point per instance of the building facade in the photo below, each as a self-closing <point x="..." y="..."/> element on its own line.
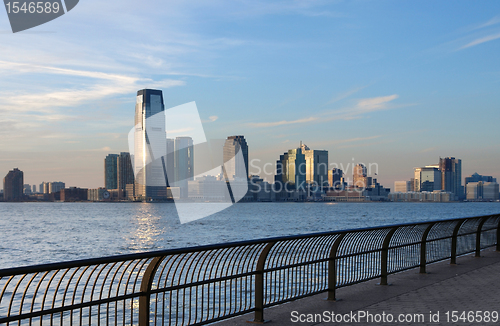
<point x="316" y="166"/>
<point x="111" y="171"/>
<point x="150" y="141"/>
<point x="13" y="185"/>
<point x="236" y="166"/>
<point x="451" y="176"/>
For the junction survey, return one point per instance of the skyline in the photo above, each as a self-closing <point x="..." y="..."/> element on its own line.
<point x="393" y="83"/>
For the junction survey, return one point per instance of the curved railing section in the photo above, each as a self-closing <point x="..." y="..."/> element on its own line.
<point x="200" y="285"/>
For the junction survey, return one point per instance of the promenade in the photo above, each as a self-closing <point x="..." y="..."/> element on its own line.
<point x="472" y="285"/>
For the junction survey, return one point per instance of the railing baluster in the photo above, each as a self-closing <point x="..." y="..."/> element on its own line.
<point x="146" y="284"/>
<point x="423" y="249"/>
<point x="384" y="257"/>
<point x="478" y="236"/>
<point x="454" y="238"/>
<point x="332" y="268"/>
<point x="259" y="284"/>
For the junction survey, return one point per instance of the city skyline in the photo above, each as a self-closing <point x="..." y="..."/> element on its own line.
<point x="365" y="81"/>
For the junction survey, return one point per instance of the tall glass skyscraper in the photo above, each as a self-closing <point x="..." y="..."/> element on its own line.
<point x="111" y="171"/>
<point x="150" y="144"/>
<point x="232" y="163"/>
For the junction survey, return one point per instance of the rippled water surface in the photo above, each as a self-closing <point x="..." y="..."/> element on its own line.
<point x="34" y="233"/>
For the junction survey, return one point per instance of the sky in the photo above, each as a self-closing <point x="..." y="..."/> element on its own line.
<point x="392" y="83"/>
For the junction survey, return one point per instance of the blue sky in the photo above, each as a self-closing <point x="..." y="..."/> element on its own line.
<point x="396" y="83"/>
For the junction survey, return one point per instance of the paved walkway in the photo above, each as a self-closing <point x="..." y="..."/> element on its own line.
<point x="473" y="285"/>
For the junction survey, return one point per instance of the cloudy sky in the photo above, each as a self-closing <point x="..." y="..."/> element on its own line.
<point x="397" y="83"/>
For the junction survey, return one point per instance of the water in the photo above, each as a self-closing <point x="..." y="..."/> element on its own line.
<point x="35" y="233"/>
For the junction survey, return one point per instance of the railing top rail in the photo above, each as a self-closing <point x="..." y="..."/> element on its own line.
<point x="176" y="251"/>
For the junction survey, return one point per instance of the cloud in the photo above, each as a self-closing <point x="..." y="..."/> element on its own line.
<point x="355" y="112"/>
<point x="211" y="118"/>
<point x="481" y="41"/>
<point x="281" y="123"/>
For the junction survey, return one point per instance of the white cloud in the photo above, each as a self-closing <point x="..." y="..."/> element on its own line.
<point x="481" y="40"/>
<point x="281" y="123"/>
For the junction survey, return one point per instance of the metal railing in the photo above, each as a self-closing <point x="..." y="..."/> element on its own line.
<point x="199" y="285"/>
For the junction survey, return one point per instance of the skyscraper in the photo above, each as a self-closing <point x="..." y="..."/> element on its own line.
<point x="232" y="146"/>
<point x="125" y="174"/>
<point x="336" y="178"/>
<point x="184" y="164"/>
<point x="451" y="176"/>
<point x="13" y="185"/>
<point x="111" y="171"/>
<point x="316" y="166"/>
<point x="359" y="176"/>
<point x="150" y="141"/>
<point x="290" y="168"/>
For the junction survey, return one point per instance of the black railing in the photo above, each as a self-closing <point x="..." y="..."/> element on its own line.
<point x="200" y="285"/>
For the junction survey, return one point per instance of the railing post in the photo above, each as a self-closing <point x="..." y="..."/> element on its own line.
<point x="146" y="284"/>
<point x="384" y="259"/>
<point x="332" y="268"/>
<point x="454" y="242"/>
<point x="478" y="236"/>
<point x="423" y="249"/>
<point x="259" y="284"/>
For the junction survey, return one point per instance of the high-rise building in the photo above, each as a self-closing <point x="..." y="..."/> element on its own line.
<point x="336" y="178"/>
<point x="482" y="190"/>
<point x="402" y="186"/>
<point x="13" y="185"/>
<point x="125" y="172"/>
<point x="477" y="177"/>
<point x="150" y="141"/>
<point x="290" y="168"/>
<point x="234" y="168"/>
<point x="27" y="189"/>
<point x="170" y="161"/>
<point x="111" y="171"/>
<point x="34" y="189"/>
<point x="184" y="164"/>
<point x="360" y="177"/>
<point x="316" y="166"/>
<point x="451" y="176"/>
<point x="427" y="179"/>
<point x="56" y="186"/>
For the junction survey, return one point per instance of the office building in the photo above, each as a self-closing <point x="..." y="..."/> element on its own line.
<point x="34" y="189"/>
<point x="451" y="176"/>
<point x="336" y="178"/>
<point x="111" y="171"/>
<point x="13" y="185"/>
<point x="54" y="187"/>
<point x="236" y="166"/>
<point x="316" y="166"/>
<point x="27" y="189"/>
<point x="125" y="171"/>
<point x="170" y="161"/>
<point x="150" y="141"/>
<point x="427" y="179"/>
<point x="360" y="177"/>
<point x="184" y="164"/>
<point x="290" y="168"/>
<point x="402" y="186"/>
<point x="482" y="191"/>
<point x="477" y="177"/>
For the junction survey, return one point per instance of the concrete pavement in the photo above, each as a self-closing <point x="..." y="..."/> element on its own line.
<point x="467" y="293"/>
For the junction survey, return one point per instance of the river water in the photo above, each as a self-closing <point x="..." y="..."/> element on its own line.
<point x="35" y="233"/>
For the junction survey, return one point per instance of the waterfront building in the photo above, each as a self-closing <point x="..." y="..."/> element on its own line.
<point x="482" y="191"/>
<point x="290" y="178"/>
<point x="402" y="186"/>
<point x="360" y="177"/>
<point x="427" y="179"/>
<point x="451" y="176"/>
<point x="27" y="189"/>
<point x="150" y="145"/>
<point x="184" y="164"/>
<point x="34" y="189"/>
<point x="125" y="174"/>
<point x="423" y="196"/>
<point x="73" y="194"/>
<point x="55" y="186"/>
<point x="336" y="178"/>
<point x="236" y="166"/>
<point x="170" y="162"/>
<point x="477" y="177"/>
<point x="111" y="171"/>
<point x="13" y="185"/>
<point x="316" y="166"/>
